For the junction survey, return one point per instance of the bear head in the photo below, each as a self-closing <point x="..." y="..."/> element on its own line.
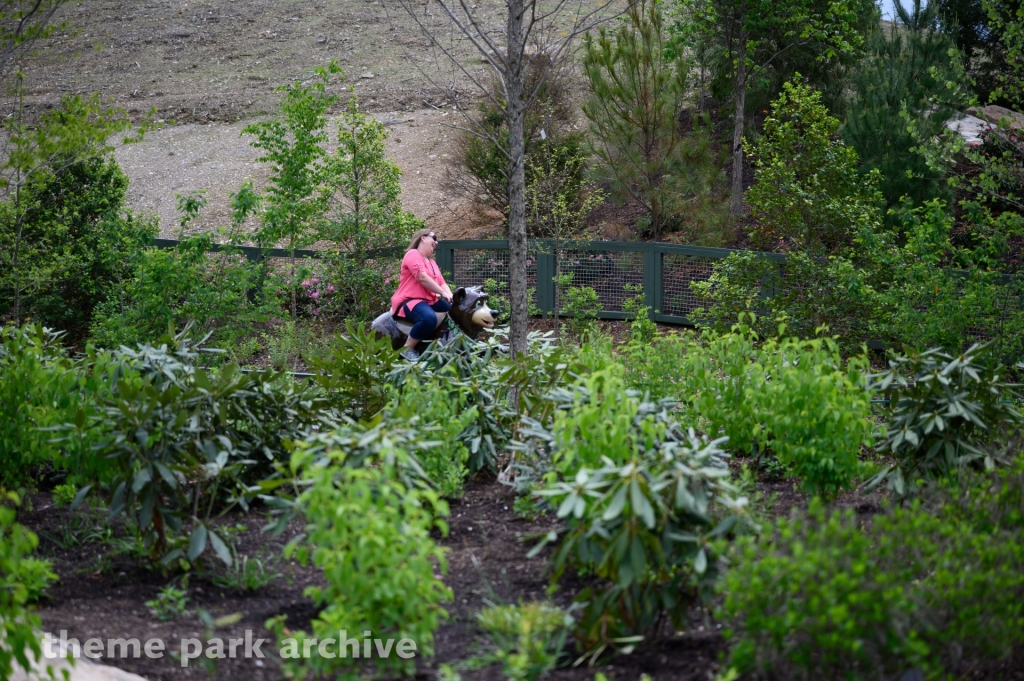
<point x="470" y="311"/>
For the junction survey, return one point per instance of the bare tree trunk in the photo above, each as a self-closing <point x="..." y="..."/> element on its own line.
<point x="515" y="113"/>
<point x="740" y="95"/>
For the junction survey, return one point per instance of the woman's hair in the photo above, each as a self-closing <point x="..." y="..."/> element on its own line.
<point x="415" y="243"/>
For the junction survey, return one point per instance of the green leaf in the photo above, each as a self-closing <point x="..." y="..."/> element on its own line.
<point x="197" y="544"/>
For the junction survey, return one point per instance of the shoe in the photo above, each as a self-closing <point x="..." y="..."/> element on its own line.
<point x="410" y="354"/>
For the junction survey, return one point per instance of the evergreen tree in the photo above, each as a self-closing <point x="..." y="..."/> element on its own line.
<point x="637" y="93"/>
<point x="908" y="66"/>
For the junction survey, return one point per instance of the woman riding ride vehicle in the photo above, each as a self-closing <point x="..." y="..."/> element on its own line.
<point x="422" y="291"/>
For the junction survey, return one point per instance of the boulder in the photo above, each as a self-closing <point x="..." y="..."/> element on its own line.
<point x="994" y="114"/>
<point x="83" y="669"/>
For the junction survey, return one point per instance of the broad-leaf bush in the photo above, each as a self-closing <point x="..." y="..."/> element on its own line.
<point x="945" y="413"/>
<point x="795" y="397"/>
<point x="22" y="579"/>
<point x="442" y="415"/>
<point x="186" y="442"/>
<point x="353" y="373"/>
<point x="369" y="530"/>
<point x="934" y="587"/>
<point x="644" y="525"/>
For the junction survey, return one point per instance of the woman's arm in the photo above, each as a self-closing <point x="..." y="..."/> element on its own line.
<point x="429" y="284"/>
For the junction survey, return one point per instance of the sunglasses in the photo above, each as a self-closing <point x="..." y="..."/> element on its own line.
<point x="430" y="236"/>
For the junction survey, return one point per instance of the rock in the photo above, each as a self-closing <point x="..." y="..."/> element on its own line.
<point x="83" y="669"/>
<point x="366" y="75"/>
<point x="994" y="114"/>
<point x="970" y="128"/>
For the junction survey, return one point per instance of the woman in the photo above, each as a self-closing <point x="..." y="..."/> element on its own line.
<point x="422" y="291"/>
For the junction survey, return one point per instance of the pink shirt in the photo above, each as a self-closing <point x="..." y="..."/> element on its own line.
<point x="409" y="287"/>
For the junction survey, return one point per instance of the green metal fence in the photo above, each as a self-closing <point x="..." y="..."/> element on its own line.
<point x="664" y="270"/>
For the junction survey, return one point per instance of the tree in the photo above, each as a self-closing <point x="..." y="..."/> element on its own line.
<point x="905" y="73"/>
<point x="297" y="199"/>
<point x="22" y="22"/>
<point x="1006" y="17"/>
<point x="368" y="214"/>
<point x="754" y="36"/>
<point x="552" y="27"/>
<point x="637" y="93"/>
<point x="75" y="132"/>
<point x="809" y="192"/>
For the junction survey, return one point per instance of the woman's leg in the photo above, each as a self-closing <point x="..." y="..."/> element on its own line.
<point x="425" y="322"/>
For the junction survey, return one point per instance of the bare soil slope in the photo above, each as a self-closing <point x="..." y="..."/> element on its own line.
<point x="208" y="66"/>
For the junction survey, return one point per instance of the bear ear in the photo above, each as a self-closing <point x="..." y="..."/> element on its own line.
<point x="460" y="295"/>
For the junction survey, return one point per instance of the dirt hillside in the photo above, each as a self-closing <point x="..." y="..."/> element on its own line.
<point x="211" y="67"/>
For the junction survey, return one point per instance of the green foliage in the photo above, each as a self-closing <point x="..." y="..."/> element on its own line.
<point x="580" y="309"/>
<point x="297" y="199"/>
<point x="442" y="415"/>
<point x="905" y="73"/>
<point x="652" y="367"/>
<point x="929" y="304"/>
<point x="74" y="238"/>
<point x="1008" y="24"/>
<point x="63" y="495"/>
<point x="552" y="147"/>
<point x="370" y="534"/>
<point x="529" y="637"/>
<point x="246" y="575"/>
<point x="791" y="396"/>
<point x="368" y="215"/>
<point x="934" y="588"/>
<point x="645" y="524"/>
<point x="186" y="442"/>
<point x="19" y="577"/>
<point x="636" y="94"/>
<point x="641" y="328"/>
<point x="945" y="413"/>
<point x="34" y="373"/>
<point x="809" y="194"/>
<point x="354" y="372"/>
<point x="170" y="603"/>
<point x="175" y="287"/>
<point x="44" y="156"/>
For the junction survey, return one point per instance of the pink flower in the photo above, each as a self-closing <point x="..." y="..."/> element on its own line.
<point x="528" y="262"/>
<point x="314" y="294"/>
<point x="316" y="310"/>
<point x="315" y="281"/>
<point x="330" y="288"/>
<point x="305" y="284"/>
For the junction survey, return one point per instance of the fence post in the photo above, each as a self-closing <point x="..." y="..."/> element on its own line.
<point x="653" y="278"/>
<point x="546" y="261"/>
<point x="446" y="259"/>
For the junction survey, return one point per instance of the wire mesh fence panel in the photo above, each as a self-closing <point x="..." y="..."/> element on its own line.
<point x="474" y="267"/>
<point x="607" y="272"/>
<point x="678" y="271"/>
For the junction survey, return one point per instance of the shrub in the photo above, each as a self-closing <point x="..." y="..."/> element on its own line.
<point x="178" y="286"/>
<point x="369" y="531"/>
<point x="580" y="309"/>
<point x="22" y="579"/>
<point x="791" y="396"/>
<point x="809" y="194"/>
<point x="442" y="415"/>
<point x="932" y="588"/>
<point x="34" y="375"/>
<point x="185" y="441"/>
<point x="74" y="244"/>
<point x="644" y="526"/>
<point x="353" y="373"/>
<point x="529" y="637"/>
<point x="945" y="413"/>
